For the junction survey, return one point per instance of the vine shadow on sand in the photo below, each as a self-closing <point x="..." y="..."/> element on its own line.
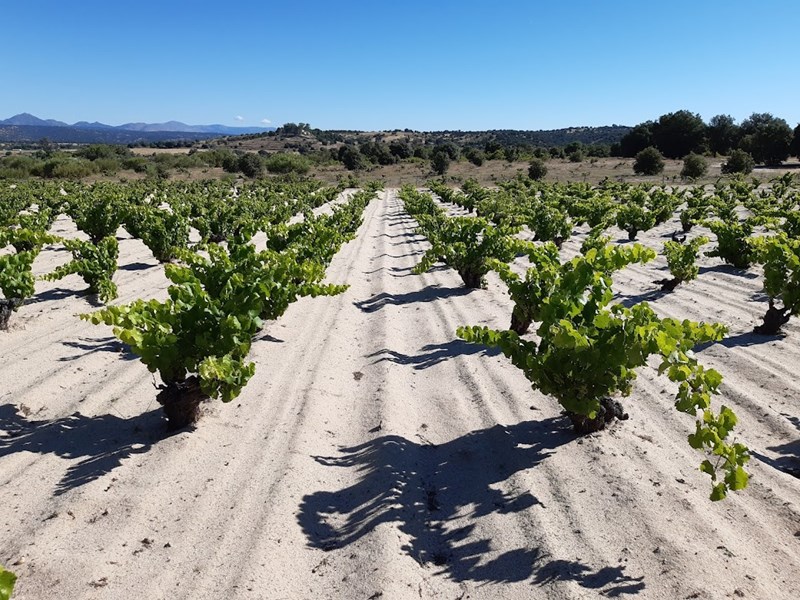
<point x="437" y="494"/>
<point x="742" y="340"/>
<point x="728" y="270"/>
<point x="788" y="460"/>
<point x="101" y="442"/>
<point x="138" y="266"/>
<point x="426" y="294"/>
<point x="433" y="354"/>
<point x="101" y="344"/>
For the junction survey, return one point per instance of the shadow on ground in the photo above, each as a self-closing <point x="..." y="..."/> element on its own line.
<point x="426" y="294"/>
<point x="788" y="459"/>
<point x="102" y="344"/>
<point x="433" y="354"/>
<point x="729" y="270"/>
<point x="100" y="444"/>
<point x="629" y="300"/>
<point x="437" y="494"/>
<point x="137" y="266"/>
<point x="743" y="339"/>
<point x="55" y="294"/>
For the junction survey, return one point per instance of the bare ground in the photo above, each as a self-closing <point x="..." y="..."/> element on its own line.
<point x="375" y="455"/>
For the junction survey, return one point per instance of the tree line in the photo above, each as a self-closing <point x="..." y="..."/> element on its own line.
<point x="769" y="140"/>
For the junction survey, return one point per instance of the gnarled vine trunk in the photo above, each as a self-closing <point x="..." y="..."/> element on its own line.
<point x="667" y="285"/>
<point x="519" y="323"/>
<point x="609" y="410"/>
<point x="472" y="279"/>
<point x="7" y="306"/>
<point x="774" y="319"/>
<point x="181" y="401"/>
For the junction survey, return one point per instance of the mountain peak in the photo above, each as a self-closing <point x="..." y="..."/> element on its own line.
<point x="29" y="119"/>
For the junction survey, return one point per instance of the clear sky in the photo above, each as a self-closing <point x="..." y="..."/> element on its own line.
<point x="381" y="64"/>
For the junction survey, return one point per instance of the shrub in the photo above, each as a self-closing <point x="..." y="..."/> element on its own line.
<point x="440" y="162"/>
<point x="576" y="156"/>
<point x="250" y="164"/>
<point x="648" y="162"/>
<point x="738" y="162"/>
<point x="694" y="166"/>
<point x="284" y="163"/>
<point x="537" y="169"/>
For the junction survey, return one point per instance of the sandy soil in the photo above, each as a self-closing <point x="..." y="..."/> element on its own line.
<point x="375" y="455"/>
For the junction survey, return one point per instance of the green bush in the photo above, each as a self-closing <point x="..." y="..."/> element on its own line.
<point x="440" y="162"/>
<point x="283" y="163"/>
<point x="576" y="156"/>
<point x="537" y="169"/>
<point x="739" y="162"/>
<point x="694" y="166"/>
<point x="648" y="162"/>
<point x="250" y="164"/>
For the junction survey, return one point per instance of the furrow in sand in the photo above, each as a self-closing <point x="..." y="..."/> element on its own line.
<point x="288" y="367"/>
<point x="375" y="454"/>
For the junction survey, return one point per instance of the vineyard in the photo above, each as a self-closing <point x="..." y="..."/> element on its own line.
<point x="291" y="390"/>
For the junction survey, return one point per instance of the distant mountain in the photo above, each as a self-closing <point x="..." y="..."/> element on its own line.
<point x="178" y="126"/>
<point x="30" y="120"/>
<point x="25" y="127"/>
<point x="80" y="135"/>
<point x="87" y="125"/>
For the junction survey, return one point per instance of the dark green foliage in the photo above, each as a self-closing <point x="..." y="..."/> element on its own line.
<point x="794" y="147"/>
<point x="351" y="158"/>
<point x="537" y="169"/>
<point x="723" y="134"/>
<point x="648" y="162"/>
<point x="250" y="164"/>
<point x="474" y="155"/>
<point x="103" y="151"/>
<point x="440" y="161"/>
<point x="739" y="161"/>
<point x="400" y="149"/>
<point x="576" y="156"/>
<point x="377" y="153"/>
<point x="636" y="140"/>
<point x="766" y="138"/>
<point x="287" y="162"/>
<point x="694" y="166"/>
<point x="679" y="133"/>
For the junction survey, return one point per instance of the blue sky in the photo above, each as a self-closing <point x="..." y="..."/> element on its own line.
<point x="424" y="65"/>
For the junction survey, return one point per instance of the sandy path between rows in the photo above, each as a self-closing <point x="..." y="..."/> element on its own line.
<point x="375" y="455"/>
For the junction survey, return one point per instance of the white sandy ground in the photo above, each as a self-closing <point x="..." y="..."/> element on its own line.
<point x="375" y="455"/>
